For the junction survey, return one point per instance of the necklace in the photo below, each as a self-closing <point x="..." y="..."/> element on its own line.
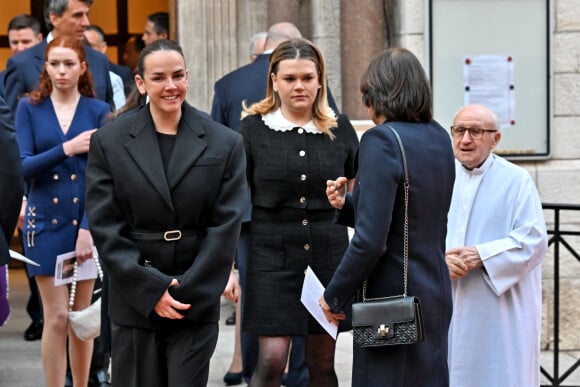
<point x="65" y="112"/>
<point x="64" y="123"/>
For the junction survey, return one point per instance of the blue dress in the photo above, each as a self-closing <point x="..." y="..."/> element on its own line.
<point x="56" y="183"/>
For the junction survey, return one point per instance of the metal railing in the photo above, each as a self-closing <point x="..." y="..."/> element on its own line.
<point x="557" y="238"/>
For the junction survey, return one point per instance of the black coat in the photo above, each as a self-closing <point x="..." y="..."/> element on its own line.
<point x="203" y="194"/>
<point x="376" y="210"/>
<point x="11" y="184"/>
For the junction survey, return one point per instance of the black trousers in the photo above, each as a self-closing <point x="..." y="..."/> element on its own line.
<point x="173" y="357"/>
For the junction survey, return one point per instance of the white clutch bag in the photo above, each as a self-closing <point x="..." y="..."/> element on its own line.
<point x="86" y="323"/>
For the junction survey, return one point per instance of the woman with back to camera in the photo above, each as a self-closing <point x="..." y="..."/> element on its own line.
<point x="53" y="127"/>
<point x="166" y="190"/>
<point x="397" y="93"/>
<point x="294" y="143"/>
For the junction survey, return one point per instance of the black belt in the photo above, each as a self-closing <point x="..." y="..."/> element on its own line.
<point x="170" y="235"/>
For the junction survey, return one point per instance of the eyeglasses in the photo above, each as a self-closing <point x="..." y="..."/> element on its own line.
<point x="474" y="133"/>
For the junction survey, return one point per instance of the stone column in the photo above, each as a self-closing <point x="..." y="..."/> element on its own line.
<point x="207" y="33"/>
<point x="406" y="20"/>
<point x="252" y="17"/>
<point x="325" y="16"/>
<point x="363" y="35"/>
<point x="283" y="11"/>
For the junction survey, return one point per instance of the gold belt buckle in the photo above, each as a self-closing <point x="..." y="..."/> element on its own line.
<point x="173" y="235"/>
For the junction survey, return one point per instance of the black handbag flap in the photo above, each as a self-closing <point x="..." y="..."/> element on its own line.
<point x="387" y="312"/>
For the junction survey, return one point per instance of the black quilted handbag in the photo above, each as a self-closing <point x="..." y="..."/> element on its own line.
<point x="390" y="321"/>
<point x="396" y="320"/>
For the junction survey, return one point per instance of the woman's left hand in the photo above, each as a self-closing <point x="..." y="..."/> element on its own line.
<point x="84" y="246"/>
<point x="329" y="314"/>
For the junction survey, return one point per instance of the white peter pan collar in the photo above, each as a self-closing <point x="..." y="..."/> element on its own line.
<point x="276" y="121"/>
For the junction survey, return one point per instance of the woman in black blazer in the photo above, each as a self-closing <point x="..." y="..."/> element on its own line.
<point x="396" y="91"/>
<point x="165" y="197"/>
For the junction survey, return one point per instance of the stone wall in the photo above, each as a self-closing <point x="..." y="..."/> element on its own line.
<point x="559" y="179"/>
<point x="407" y="20"/>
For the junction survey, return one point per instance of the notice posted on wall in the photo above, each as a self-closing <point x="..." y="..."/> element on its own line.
<point x="489" y="80"/>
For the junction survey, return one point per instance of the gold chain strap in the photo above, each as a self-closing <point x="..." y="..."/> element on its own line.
<point x="406" y="185"/>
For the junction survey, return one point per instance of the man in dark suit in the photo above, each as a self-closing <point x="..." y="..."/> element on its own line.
<point x="23" y="33"/>
<point x="248" y="83"/>
<point x="95" y="37"/>
<point x="64" y="18"/>
<point x="133" y="47"/>
<point x="156" y="27"/>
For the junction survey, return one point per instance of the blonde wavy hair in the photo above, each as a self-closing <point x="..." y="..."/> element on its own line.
<point x="297" y="49"/>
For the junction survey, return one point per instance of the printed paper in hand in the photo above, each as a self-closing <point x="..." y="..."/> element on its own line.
<point x="63" y="272"/>
<point x="312" y="290"/>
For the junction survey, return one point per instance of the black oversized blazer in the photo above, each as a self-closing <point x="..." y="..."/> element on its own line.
<point x="203" y="194"/>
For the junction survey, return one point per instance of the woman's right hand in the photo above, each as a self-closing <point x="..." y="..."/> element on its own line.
<point x="79" y="144"/>
<point x="233" y="290"/>
<point x="336" y="192"/>
<point x="168" y="306"/>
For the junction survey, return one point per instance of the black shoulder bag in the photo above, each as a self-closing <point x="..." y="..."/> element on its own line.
<point x="395" y="320"/>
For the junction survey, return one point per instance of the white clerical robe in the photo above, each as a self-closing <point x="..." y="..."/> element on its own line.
<point x="494" y="336"/>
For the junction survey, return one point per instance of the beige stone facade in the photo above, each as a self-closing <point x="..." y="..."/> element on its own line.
<point x="215" y="33"/>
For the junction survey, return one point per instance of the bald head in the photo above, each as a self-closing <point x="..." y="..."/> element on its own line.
<point x="257" y="42"/>
<point x="481" y="112"/>
<point x="475" y="132"/>
<point x="279" y="33"/>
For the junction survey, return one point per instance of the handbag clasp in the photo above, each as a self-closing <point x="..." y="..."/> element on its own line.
<point x="383" y="330"/>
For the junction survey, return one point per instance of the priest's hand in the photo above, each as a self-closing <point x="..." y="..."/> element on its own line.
<point x="469" y="256"/>
<point x="457" y="268"/>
